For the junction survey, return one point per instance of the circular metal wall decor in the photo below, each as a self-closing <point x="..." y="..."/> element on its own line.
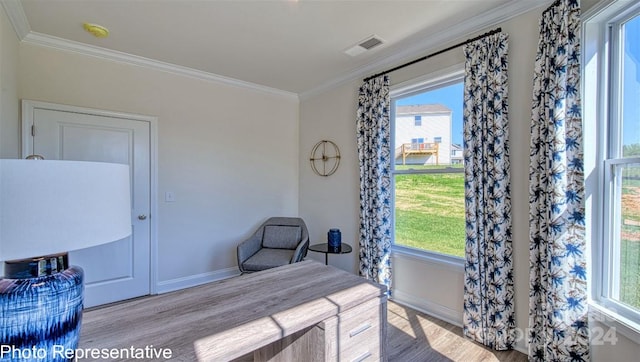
<point x="325" y="158"/>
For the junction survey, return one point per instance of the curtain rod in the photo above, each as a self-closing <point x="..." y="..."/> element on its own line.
<point x="497" y="30"/>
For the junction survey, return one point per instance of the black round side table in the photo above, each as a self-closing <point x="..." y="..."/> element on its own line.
<point x="324" y="248"/>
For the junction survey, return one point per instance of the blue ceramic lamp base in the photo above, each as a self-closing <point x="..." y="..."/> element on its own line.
<point x="40" y="317"/>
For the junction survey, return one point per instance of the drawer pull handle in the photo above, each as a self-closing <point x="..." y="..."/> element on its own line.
<point x="363" y="357"/>
<point x="359" y="330"/>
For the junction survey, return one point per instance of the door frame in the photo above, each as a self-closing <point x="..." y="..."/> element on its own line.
<point x="28" y="109"/>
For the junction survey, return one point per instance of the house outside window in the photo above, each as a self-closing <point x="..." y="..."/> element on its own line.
<point x="611" y="112"/>
<point x="456" y="154"/>
<point x="428" y="185"/>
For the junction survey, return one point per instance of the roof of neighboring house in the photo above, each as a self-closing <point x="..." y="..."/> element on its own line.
<point x="422" y="108"/>
<point x="456" y="147"/>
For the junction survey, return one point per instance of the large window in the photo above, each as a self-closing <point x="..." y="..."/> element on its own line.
<point x="428" y="174"/>
<point x="612" y="83"/>
<point x="622" y="166"/>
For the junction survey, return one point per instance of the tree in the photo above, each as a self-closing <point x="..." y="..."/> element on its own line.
<point x="631" y="150"/>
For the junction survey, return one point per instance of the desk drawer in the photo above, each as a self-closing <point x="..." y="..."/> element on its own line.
<point x="359" y="319"/>
<point x="364" y="347"/>
<point x="359" y="332"/>
<point x="360" y="356"/>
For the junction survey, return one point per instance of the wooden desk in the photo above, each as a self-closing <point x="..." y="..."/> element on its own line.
<point x="300" y="312"/>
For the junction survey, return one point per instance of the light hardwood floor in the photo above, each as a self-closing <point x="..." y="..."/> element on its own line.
<point x="412" y="337"/>
<point x="415" y="337"/>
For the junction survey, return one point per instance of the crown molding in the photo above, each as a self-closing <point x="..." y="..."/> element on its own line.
<point x="429" y="43"/>
<point x="113" y="55"/>
<point x="17" y="17"/>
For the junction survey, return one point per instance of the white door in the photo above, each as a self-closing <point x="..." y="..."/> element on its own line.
<point x="121" y="269"/>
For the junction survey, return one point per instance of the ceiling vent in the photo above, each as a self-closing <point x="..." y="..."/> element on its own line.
<point x="364" y="45"/>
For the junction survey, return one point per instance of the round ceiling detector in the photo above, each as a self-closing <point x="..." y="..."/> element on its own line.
<point x="97" y="30"/>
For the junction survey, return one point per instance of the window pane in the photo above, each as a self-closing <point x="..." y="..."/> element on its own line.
<point x="631" y="88"/>
<point x="627" y="226"/>
<point x="429" y="207"/>
<point x="440" y="128"/>
<point x="429" y="212"/>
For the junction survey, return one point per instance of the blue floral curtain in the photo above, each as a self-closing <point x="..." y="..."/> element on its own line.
<point x="488" y="315"/>
<point x="374" y="142"/>
<point x="558" y="282"/>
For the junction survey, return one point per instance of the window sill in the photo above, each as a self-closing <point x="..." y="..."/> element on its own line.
<point x="447" y="261"/>
<point x="620" y="324"/>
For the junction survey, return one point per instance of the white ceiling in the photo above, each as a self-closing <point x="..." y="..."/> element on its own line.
<point x="291" y="46"/>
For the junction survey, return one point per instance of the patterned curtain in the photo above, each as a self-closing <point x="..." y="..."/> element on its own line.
<point x="558" y="282"/>
<point x="488" y="315"/>
<point x="374" y="142"/>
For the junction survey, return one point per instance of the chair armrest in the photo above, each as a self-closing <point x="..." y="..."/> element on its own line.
<point x="247" y="248"/>
<point x="301" y="251"/>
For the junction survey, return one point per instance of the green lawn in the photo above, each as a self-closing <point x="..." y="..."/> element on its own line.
<point x="430" y="212"/>
<point x="630" y="244"/>
<point x="430" y="215"/>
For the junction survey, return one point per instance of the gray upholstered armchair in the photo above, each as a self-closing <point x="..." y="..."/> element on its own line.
<point x="278" y="241"/>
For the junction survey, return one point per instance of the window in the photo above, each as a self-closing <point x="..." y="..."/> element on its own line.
<point x="622" y="167"/>
<point x="428" y="182"/>
<point x="417" y="143"/>
<point x="417" y="121"/>
<point x="612" y="83"/>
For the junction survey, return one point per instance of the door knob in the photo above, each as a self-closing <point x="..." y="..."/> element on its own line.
<point x="142" y="217"/>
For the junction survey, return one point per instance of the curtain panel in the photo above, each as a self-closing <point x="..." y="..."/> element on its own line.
<point x="488" y="315"/>
<point x="558" y="282"/>
<point x="374" y="153"/>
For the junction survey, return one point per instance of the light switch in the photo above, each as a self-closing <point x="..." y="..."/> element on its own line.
<point x="169" y="196"/>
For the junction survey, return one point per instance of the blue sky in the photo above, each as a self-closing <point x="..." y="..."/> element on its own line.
<point x="631" y="101"/>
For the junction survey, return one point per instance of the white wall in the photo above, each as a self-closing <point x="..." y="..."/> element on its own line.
<point x="9" y="105"/>
<point x="624" y="349"/>
<point x="229" y="154"/>
<point x="331" y="202"/>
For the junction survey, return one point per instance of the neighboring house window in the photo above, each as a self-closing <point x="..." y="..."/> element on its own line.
<point x="429" y="216"/>
<point x="417" y="143"/>
<point x="612" y="156"/>
<point x="417" y="121"/>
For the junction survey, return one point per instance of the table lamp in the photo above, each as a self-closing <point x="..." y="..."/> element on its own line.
<point x="48" y="208"/>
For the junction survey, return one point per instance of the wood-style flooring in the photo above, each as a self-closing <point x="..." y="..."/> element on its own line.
<point x="415" y="337"/>
<point x="412" y="337"/>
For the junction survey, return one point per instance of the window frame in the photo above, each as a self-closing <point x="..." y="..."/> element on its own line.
<point x="602" y="120"/>
<point x="445" y="77"/>
<point x="611" y="230"/>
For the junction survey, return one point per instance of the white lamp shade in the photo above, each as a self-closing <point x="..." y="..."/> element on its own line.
<point x="49" y="207"/>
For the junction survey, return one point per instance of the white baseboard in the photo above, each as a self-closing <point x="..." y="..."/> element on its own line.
<point x="443" y="313"/>
<point x="433" y="309"/>
<point x="195" y="280"/>
<point x="522" y="346"/>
